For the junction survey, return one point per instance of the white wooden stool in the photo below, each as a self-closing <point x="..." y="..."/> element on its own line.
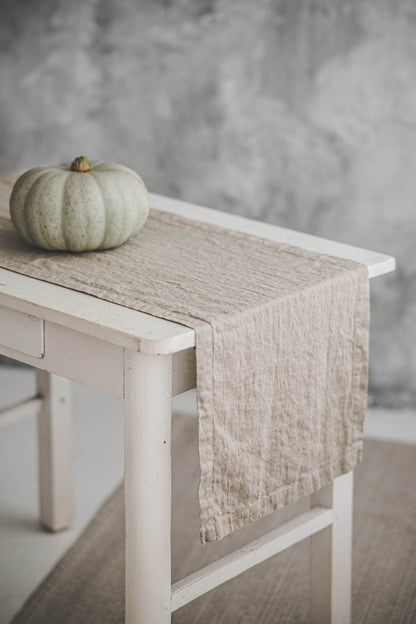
<point x="67" y="335"/>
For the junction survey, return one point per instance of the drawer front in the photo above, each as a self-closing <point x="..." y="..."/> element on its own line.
<point x="22" y="332"/>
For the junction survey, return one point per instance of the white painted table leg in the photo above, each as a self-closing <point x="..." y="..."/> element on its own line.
<point x="56" y="494"/>
<point x="331" y="556"/>
<point x="147" y="486"/>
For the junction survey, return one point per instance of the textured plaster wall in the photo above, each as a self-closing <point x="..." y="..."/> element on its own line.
<point x="301" y="113"/>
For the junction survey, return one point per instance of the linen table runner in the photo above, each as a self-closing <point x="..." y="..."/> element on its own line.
<point x="281" y="350"/>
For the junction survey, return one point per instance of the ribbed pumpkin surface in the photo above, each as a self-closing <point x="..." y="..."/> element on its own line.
<point x="60" y="209"/>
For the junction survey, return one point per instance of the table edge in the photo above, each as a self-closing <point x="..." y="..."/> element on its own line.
<point x="135" y="330"/>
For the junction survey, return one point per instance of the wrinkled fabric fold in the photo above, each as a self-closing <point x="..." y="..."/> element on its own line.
<point x="281" y="351"/>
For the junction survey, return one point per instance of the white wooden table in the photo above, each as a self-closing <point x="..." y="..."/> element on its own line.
<point x="67" y="335"/>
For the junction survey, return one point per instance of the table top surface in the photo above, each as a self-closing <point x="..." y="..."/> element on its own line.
<point x="136" y="330"/>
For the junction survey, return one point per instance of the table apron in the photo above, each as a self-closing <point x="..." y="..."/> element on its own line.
<point x="78" y="356"/>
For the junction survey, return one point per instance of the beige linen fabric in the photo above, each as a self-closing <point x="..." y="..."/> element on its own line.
<point x="281" y="347"/>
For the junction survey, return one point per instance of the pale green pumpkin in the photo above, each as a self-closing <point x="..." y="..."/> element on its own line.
<point x="79" y="206"/>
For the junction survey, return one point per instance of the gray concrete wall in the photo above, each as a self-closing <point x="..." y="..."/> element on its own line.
<point x="301" y="113"/>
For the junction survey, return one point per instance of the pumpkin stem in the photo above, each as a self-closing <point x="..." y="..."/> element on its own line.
<point x="80" y="163"/>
